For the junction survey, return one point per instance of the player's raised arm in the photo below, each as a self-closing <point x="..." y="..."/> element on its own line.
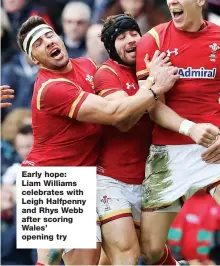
<point x="116" y="112"/>
<point x="65" y="98"/>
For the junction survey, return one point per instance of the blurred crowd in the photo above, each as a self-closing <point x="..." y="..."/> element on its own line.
<point x="79" y="23"/>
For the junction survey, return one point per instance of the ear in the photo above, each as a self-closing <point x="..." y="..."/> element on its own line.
<point x="201" y="3"/>
<point x="35" y="60"/>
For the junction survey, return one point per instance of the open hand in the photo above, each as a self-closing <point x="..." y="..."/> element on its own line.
<point x="164" y="74"/>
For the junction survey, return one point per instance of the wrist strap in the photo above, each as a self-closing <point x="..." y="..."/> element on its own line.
<point x="185" y="127"/>
<point x="154" y="94"/>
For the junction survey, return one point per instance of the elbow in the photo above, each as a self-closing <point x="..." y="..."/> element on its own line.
<point x="123" y="128"/>
<point x="122" y="123"/>
<point x="152" y="117"/>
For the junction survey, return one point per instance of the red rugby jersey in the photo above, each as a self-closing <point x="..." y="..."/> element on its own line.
<point x="123" y="154"/>
<point x="192" y="230"/>
<point x="196" y="96"/>
<point x="59" y="139"/>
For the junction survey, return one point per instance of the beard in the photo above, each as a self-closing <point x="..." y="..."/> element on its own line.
<point x="57" y="65"/>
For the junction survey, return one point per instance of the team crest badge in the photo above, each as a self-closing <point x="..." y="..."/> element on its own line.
<point x="89" y="78"/>
<point x="106" y="200"/>
<point x="214" y="48"/>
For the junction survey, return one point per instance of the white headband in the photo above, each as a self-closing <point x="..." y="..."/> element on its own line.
<point x="33" y="35"/>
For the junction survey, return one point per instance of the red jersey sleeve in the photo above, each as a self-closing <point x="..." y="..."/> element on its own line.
<point x="106" y="81"/>
<point x="148" y="44"/>
<point x="61" y="98"/>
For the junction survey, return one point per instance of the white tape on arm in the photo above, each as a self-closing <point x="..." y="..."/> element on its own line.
<point x="185" y="127"/>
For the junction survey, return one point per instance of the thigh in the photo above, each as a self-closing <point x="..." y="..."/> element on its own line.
<point x="114" y="204"/>
<point x="165" y="181"/>
<point x="155" y="227"/>
<point x="49" y="256"/>
<point x="133" y="195"/>
<point x="119" y="236"/>
<point x="83" y="256"/>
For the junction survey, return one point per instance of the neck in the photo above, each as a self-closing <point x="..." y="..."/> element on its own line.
<point x="198" y="25"/>
<point x="195" y="26"/>
<point x="62" y="70"/>
<point x="127" y="65"/>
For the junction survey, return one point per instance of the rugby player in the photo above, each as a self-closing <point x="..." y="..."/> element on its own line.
<point x="66" y="112"/>
<point x="177" y="167"/>
<point x="121" y="162"/>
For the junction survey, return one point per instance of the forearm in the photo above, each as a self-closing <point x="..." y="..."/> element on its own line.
<point x="130" y="109"/>
<point x="126" y="125"/>
<point x="121" y="113"/>
<point x="164" y="116"/>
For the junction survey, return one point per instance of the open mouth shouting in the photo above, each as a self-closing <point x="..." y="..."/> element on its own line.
<point x="56" y="53"/>
<point x="177" y="14"/>
<point x="131" y="51"/>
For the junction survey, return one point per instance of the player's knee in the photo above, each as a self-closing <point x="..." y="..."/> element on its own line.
<point x="127" y="254"/>
<point x="135" y="253"/>
<point x="127" y="258"/>
<point x="151" y="251"/>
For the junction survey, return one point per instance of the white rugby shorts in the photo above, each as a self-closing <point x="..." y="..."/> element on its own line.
<point x="116" y="199"/>
<point x="173" y="172"/>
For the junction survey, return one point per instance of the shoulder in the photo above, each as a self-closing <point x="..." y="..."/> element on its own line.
<point x="159" y="29"/>
<point x="154" y="35"/>
<point x="55" y="90"/>
<point x="109" y="67"/>
<point x="162" y="27"/>
<point x="47" y="79"/>
<point x="56" y="84"/>
<point x="85" y="62"/>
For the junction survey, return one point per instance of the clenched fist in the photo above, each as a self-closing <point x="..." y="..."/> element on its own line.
<point x="204" y="134"/>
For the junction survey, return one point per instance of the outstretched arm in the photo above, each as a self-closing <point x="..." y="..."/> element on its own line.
<point x="123" y="113"/>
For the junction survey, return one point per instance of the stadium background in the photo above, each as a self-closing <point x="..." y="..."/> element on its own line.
<point x="79" y="25"/>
